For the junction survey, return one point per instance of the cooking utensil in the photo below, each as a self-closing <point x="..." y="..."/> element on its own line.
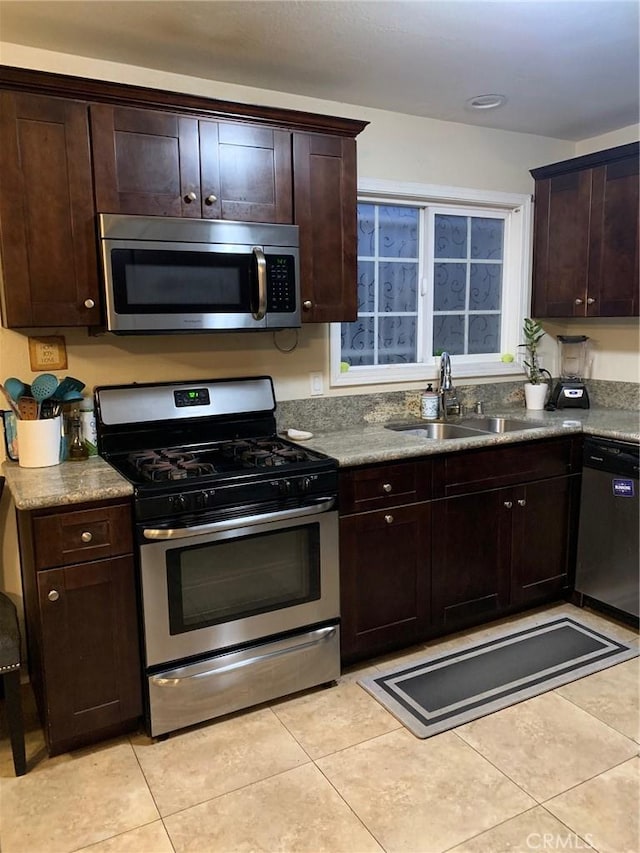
<point x="43" y="387"/>
<point x="10" y="401"/>
<point x="28" y="409"/>
<point x="15" y="388"/>
<point x="69" y="383"/>
<point x="72" y="397"/>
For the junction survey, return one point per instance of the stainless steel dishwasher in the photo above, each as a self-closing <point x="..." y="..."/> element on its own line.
<point x="607" y="564"/>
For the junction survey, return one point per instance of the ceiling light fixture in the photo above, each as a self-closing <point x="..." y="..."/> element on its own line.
<point x="486" y="102"/>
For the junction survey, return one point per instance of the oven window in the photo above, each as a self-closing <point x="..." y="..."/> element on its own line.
<point x="236" y="578"/>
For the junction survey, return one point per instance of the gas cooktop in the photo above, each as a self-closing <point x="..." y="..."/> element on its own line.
<point x="193" y="448"/>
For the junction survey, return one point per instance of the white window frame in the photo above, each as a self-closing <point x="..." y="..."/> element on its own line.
<point x="516" y="291"/>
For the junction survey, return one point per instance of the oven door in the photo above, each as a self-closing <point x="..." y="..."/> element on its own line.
<point x="226" y="584"/>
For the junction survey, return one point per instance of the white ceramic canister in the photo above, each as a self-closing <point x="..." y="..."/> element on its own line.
<point x="38" y="442"/>
<point x="88" y="426"/>
<point x="429" y="404"/>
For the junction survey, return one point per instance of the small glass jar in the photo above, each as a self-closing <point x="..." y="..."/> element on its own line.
<point x="76" y="449"/>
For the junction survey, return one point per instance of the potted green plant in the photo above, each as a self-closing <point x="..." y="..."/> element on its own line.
<point x="536" y="389"/>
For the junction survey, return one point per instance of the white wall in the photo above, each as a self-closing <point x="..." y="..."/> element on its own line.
<point x="608" y="140"/>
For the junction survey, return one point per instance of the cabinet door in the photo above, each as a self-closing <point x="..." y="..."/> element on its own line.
<point x="471" y="555"/>
<point x="91" y="655"/>
<point x="561" y="245"/>
<point x="613" y="260"/>
<point x="145" y="162"/>
<point x="47" y="222"/>
<point x="324" y="169"/>
<point x="246" y="172"/>
<point x="544" y="523"/>
<point x="384" y="579"/>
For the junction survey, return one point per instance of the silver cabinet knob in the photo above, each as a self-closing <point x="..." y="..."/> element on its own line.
<point x="387" y="487"/>
<point x="89" y="303"/>
<point x="211" y="199"/>
<point x="508" y="504"/>
<point x="579" y="301"/>
<point x="307" y="305"/>
<point x="388" y="519"/>
<point x="190" y="197"/>
<point x="521" y="502"/>
<point x="54" y="595"/>
<point x="590" y="300"/>
<point x="86" y="536"/>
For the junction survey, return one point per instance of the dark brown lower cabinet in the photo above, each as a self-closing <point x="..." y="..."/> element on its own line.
<point x="82" y="625"/>
<point x="90" y="653"/>
<point x="385" y="579"/>
<point x="543" y="539"/>
<point x="496" y="550"/>
<point x="432" y="545"/>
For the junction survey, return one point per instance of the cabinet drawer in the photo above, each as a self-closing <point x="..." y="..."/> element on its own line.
<point x="491" y="468"/>
<point x="374" y="487"/>
<point x="64" y="538"/>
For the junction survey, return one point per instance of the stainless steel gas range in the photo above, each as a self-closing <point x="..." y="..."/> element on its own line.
<point x="237" y="535"/>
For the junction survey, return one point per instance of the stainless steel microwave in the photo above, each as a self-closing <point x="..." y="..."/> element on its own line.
<point x="166" y="274"/>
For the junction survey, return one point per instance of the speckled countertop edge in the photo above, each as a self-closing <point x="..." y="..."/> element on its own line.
<point x="371" y="443"/>
<point x="94" y="479"/>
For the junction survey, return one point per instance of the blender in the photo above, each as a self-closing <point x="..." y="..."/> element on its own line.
<point x="570" y="391"/>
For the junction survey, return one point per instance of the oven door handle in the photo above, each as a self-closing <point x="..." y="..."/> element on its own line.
<point x="324" y="505"/>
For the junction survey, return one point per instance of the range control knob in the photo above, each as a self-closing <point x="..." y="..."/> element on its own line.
<point x="179" y="503"/>
<point x="305" y="484"/>
<point x="202" y="500"/>
<point x="284" y="487"/>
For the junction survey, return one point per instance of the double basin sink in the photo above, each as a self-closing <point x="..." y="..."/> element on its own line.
<point x="464" y="428"/>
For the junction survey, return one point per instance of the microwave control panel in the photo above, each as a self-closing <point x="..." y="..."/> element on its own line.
<point x="281" y="284"/>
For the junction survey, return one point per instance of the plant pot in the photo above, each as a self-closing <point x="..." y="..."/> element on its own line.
<point x="535" y="396"/>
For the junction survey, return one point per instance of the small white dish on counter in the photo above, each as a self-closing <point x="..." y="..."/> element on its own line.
<point x="298" y="434"/>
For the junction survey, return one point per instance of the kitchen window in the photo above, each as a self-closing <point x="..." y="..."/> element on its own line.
<point x="439" y="268"/>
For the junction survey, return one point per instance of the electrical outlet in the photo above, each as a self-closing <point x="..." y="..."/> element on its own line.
<point x="316" y="384"/>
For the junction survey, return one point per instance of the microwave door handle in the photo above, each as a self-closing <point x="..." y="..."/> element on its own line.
<point x="261" y="263"/>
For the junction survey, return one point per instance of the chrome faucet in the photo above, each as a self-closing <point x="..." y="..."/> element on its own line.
<point x="449" y="403"/>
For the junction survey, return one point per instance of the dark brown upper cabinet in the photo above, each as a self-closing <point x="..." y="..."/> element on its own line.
<point x="325" y="201"/>
<point x="47" y="222"/>
<point x="585" y="256"/>
<point x="164" y="164"/>
<point x="74" y="147"/>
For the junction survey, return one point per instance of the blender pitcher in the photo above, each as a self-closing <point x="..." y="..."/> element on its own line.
<point x="575" y="359"/>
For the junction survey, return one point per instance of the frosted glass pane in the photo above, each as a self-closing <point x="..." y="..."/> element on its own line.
<point x="484" y="333"/>
<point x="486" y="287"/>
<point x="449" y="287"/>
<point x="398" y="232"/>
<point x="450" y="236"/>
<point x="397" y="340"/>
<point x="366" y="230"/>
<point x="448" y="334"/>
<point x="398" y="287"/>
<point x="358" y="341"/>
<point x="486" y="238"/>
<point x="366" y="286"/>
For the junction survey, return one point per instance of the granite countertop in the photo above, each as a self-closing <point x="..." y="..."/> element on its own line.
<point x="91" y="479"/>
<point x="94" y="479"/>
<point x="369" y="443"/>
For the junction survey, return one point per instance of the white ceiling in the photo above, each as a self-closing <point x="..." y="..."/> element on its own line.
<point x="569" y="68"/>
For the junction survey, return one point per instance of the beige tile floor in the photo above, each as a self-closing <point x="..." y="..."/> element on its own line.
<point x="331" y="770"/>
